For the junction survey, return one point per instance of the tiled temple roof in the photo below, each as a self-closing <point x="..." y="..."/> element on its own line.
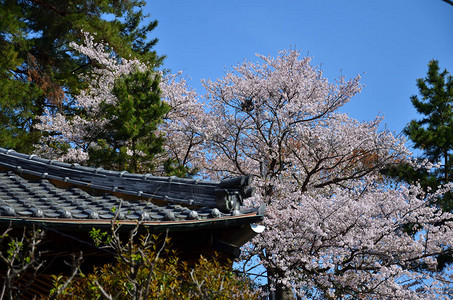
<point x="33" y="189"/>
<point x="69" y="200"/>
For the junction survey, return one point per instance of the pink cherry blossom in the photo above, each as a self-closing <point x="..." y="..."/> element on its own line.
<point x="335" y="227"/>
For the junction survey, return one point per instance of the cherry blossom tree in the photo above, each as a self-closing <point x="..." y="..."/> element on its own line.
<point x="183" y="124"/>
<point x="69" y="137"/>
<point x="335" y="227"/>
<point x="73" y="137"/>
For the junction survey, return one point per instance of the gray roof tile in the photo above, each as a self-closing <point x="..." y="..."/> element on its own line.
<point x="33" y="187"/>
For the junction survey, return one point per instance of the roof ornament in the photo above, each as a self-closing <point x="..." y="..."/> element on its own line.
<point x="193" y="215"/>
<point x="215" y="212"/>
<point x="7" y="210"/>
<point x="231" y="192"/>
<point x="170" y="216"/>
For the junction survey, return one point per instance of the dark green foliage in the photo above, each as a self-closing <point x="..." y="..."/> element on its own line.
<point x="15" y="114"/>
<point x="172" y="167"/>
<point x="132" y="126"/>
<point x="432" y="135"/>
<point x="39" y="70"/>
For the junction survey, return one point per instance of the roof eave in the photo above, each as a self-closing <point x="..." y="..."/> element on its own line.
<point x="126" y="225"/>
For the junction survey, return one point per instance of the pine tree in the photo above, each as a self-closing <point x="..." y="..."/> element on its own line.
<point x="15" y="113"/>
<point x="39" y="70"/>
<point x="432" y="135"/>
<point x="130" y="141"/>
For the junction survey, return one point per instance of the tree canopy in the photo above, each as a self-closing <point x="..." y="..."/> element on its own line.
<point x="82" y="75"/>
<point x="133" y="121"/>
<point x="431" y="135"/>
<point x="336" y="227"/>
<point x="39" y="70"/>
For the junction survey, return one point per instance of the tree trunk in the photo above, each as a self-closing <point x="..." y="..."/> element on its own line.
<point x="283" y="293"/>
<point x="277" y="291"/>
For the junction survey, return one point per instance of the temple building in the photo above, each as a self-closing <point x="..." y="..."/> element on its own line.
<point x="68" y="200"/>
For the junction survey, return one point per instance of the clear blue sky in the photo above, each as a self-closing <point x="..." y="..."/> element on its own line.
<point x="389" y="42"/>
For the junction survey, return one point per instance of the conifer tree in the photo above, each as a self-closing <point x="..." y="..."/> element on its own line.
<point x="129" y="141"/>
<point x="39" y="70"/>
<point x="122" y="117"/>
<point x="432" y="135"/>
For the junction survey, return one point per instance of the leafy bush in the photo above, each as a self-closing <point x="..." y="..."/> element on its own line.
<point x="150" y="270"/>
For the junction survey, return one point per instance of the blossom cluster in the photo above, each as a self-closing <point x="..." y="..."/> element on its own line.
<point x="336" y="227"/>
<point x="181" y="125"/>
